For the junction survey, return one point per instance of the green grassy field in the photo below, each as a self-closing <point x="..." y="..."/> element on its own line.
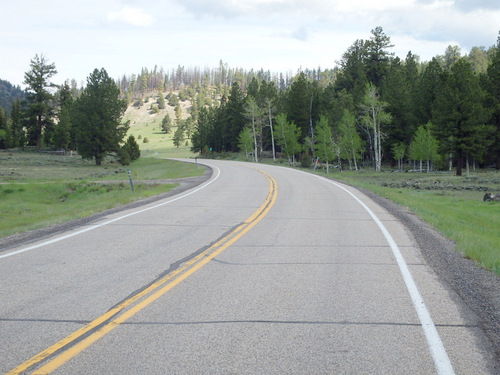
<point x="38" y="190"/>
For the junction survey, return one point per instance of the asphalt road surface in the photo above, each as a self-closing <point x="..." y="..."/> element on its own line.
<point x="257" y="270"/>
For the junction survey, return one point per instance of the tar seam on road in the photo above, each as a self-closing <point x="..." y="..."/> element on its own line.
<point x="441" y="360"/>
<point x="75" y="343"/>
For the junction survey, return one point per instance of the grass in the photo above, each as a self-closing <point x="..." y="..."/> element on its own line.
<point x="451" y="204"/>
<point x="38" y="190"/>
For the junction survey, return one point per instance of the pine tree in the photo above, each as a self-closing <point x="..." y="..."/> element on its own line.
<point x="18" y="136"/>
<point x="97" y="118"/>
<point x="460" y="116"/>
<point x="40" y="108"/>
<point x="492" y="85"/>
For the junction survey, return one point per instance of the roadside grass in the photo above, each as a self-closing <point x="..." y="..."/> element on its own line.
<point x="451" y="204"/>
<point x="38" y="190"/>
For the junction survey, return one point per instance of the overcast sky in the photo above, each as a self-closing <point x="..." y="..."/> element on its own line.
<point x="124" y="36"/>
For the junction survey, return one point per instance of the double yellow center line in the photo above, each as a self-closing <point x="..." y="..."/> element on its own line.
<point x="70" y="346"/>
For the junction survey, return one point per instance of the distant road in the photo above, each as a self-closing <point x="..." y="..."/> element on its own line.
<point x="258" y="270"/>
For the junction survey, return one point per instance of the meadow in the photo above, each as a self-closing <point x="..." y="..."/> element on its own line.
<point x="38" y="190"/>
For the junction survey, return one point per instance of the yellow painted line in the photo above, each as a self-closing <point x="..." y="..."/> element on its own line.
<point x="178" y="275"/>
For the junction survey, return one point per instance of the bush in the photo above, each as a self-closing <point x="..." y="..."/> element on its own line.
<point x="123" y="156"/>
<point x="133" y="148"/>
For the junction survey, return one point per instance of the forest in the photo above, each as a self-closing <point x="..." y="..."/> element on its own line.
<point x="372" y="109"/>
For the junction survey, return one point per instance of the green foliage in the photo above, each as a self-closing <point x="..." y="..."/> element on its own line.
<point x="4" y="137"/>
<point x="460" y="115"/>
<point x="374" y="117"/>
<point x="287" y="136"/>
<point x="166" y="124"/>
<point x="18" y="135"/>
<point x="62" y="134"/>
<point x="350" y="142"/>
<point x="40" y="107"/>
<point x="161" y="101"/>
<point x="178" y="136"/>
<point x="97" y="118"/>
<point x="245" y="141"/>
<point x="154" y="110"/>
<point x="173" y="100"/>
<point x="424" y="146"/>
<point x="9" y="94"/>
<point x="399" y="151"/>
<point x="129" y="152"/>
<point x="324" y="145"/>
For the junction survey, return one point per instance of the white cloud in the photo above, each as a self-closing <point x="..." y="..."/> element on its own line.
<point x="132" y="16"/>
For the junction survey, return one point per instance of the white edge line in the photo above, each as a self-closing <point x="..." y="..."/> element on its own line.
<point x="92" y="227"/>
<point x="441" y="360"/>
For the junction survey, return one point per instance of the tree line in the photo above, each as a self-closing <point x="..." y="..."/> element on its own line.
<point x="372" y="108"/>
<point x="50" y="116"/>
<point x="377" y="109"/>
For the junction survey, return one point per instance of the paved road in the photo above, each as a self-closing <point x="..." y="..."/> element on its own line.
<point x="259" y="270"/>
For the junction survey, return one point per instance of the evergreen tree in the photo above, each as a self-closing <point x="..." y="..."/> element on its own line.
<point x="426" y="90"/>
<point x="62" y="135"/>
<point x="398" y="89"/>
<point x="298" y="108"/>
<point x="4" y="130"/>
<point x="352" y="76"/>
<point x="40" y="109"/>
<point x="178" y="136"/>
<point x="235" y="117"/>
<point x="378" y="57"/>
<point x="166" y="124"/>
<point x="460" y="116"/>
<point x="161" y="101"/>
<point x="18" y="136"/>
<point x="131" y="148"/>
<point x="204" y="130"/>
<point x="97" y="117"/>
<point x="492" y="86"/>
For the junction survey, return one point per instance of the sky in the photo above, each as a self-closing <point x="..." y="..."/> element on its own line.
<point x="124" y="36"/>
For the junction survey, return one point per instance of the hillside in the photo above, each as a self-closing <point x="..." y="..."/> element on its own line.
<point x="145" y="126"/>
<point x="8" y="92"/>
